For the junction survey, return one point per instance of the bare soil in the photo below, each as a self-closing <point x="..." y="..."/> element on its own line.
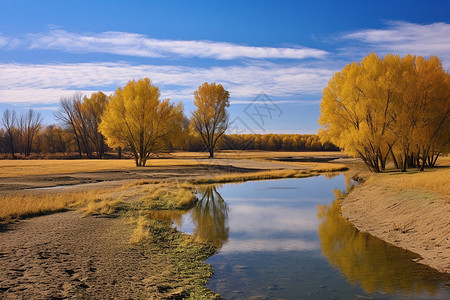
<point x="62" y="256"/>
<point x="416" y="220"/>
<point x="66" y="255"/>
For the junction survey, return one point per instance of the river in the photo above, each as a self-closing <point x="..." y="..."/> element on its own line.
<point x="285" y="239"/>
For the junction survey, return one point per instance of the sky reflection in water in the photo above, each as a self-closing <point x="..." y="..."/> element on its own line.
<point x="286" y="239"/>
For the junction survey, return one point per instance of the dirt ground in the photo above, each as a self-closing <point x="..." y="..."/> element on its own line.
<point x="413" y="219"/>
<point x="65" y="255"/>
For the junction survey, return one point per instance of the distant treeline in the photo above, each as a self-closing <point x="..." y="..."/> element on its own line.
<point x="275" y="142"/>
<point x="25" y="136"/>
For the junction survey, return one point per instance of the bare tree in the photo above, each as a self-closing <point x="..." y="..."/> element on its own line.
<point x="29" y="125"/>
<point x="71" y="114"/>
<point x="91" y="112"/>
<point x="9" y="121"/>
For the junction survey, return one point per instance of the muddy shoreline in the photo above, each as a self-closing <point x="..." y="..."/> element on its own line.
<point x="412" y="219"/>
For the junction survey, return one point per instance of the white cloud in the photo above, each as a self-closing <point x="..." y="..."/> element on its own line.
<point x="404" y="38"/>
<point x="3" y="41"/>
<point x="37" y="96"/>
<point x="37" y="83"/>
<point x="250" y="245"/>
<point x="260" y="225"/>
<point x="132" y="44"/>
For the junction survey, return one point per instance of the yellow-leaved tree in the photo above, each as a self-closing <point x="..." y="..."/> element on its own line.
<point x="137" y="118"/>
<point x="210" y="119"/>
<point x="389" y="109"/>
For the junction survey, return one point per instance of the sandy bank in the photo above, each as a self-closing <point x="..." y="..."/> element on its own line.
<point x="413" y="218"/>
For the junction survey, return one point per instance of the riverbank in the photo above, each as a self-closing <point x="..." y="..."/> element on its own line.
<point x="409" y="210"/>
<point x="104" y="228"/>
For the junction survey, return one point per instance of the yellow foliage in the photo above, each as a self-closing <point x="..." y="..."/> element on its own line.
<point x="210" y="119"/>
<point x="135" y="117"/>
<point x="368" y="261"/>
<point x="387" y="108"/>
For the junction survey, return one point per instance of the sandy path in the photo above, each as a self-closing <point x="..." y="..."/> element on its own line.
<point x="412" y="219"/>
<point x="63" y="255"/>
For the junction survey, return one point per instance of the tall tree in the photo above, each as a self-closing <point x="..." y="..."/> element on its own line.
<point x="91" y="111"/>
<point x="210" y="119"/>
<point x="389" y="107"/>
<point x="29" y="125"/>
<point x="9" y="121"/>
<point x="135" y="117"/>
<point x="67" y="113"/>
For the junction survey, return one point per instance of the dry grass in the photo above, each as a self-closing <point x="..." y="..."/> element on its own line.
<point x="434" y="180"/>
<point x="167" y="196"/>
<point x="12" y="168"/>
<point x="101" y="207"/>
<point x="27" y="204"/>
<point x="19" y="205"/>
<point x="271" y="174"/>
<point x="142" y="231"/>
<point x="329" y="167"/>
<point x="162" y="196"/>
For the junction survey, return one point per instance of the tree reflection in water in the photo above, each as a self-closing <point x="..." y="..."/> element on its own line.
<point x="376" y="265"/>
<point x="210" y="217"/>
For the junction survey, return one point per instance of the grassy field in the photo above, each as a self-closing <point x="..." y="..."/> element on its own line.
<point x="12" y="168"/>
<point x="434" y="180"/>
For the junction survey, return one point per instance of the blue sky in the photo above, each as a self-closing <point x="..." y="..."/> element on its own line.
<point x="287" y="50"/>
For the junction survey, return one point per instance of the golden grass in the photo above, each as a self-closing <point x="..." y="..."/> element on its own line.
<point x="18" y="205"/>
<point x="165" y="196"/>
<point x="434" y="180"/>
<point x="27" y="204"/>
<point x="329" y="167"/>
<point x="142" y="231"/>
<point x="168" y="196"/>
<point x="271" y="174"/>
<point x="101" y="207"/>
<point x="12" y="168"/>
<point x="262" y="175"/>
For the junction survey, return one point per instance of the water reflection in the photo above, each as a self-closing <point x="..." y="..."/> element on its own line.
<point x="210" y="216"/>
<point x="374" y="264"/>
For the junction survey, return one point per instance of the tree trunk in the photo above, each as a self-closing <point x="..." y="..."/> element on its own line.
<point x="394" y="159"/>
<point x="79" y="146"/>
<point x="404" y="163"/>
<point x="211" y="153"/>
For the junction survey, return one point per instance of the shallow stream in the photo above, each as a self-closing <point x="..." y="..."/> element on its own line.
<point x="285" y="239"/>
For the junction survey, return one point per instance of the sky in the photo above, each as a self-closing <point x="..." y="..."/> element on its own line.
<point x="274" y="57"/>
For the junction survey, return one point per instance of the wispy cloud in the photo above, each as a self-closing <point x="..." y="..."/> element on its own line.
<point x="133" y="44"/>
<point x="3" y="41"/>
<point x="250" y="245"/>
<point x="30" y="96"/>
<point x="404" y="38"/>
<point x="37" y="83"/>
